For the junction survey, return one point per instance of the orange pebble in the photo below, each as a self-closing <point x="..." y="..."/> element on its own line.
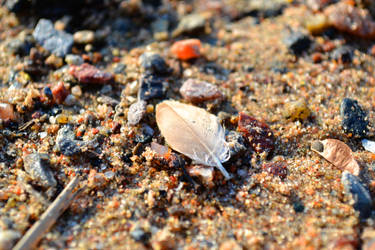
<point x="187" y="49"/>
<point x="7" y="112"/>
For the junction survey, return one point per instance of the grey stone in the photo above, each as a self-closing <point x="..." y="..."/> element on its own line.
<point x="354" y="118"/>
<point x="56" y="42"/>
<point x="136" y="112"/>
<point x="361" y="195"/>
<point x="36" y="165"/>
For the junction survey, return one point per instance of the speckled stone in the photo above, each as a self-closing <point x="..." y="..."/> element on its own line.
<point x="354" y="118"/>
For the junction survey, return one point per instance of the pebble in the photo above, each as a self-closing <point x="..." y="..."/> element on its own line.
<point x="369" y="145"/>
<point x="192" y="24"/>
<point x="8" y="238"/>
<point x="354" y="118"/>
<point x="73" y="59"/>
<point x="154" y="64"/>
<point x="160" y="29"/>
<point x="136" y="112"/>
<point x="187" y="49"/>
<point x="84" y="36"/>
<point x="144" y="134"/>
<point x="87" y="73"/>
<point x="66" y="143"/>
<point x="296" y="110"/>
<point x="277" y="168"/>
<point x="151" y="87"/>
<point x="236" y="143"/>
<point x="7" y="112"/>
<point x="62" y="119"/>
<point x="54" y="61"/>
<point x="342" y="54"/>
<point x="317" y="23"/>
<point x="19" y="46"/>
<point x="59" y="92"/>
<point x="76" y="91"/>
<point x="36" y="165"/>
<point x="204" y="173"/>
<point x="258" y="133"/>
<point x="199" y="91"/>
<point x="56" y="42"/>
<point x="297" y="42"/>
<point x="138" y="234"/>
<point x="361" y="196"/>
<point x="350" y="19"/>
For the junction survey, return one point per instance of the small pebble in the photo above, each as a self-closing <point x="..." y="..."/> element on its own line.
<point x="297" y="110"/>
<point x="62" y="119"/>
<point x="59" y="92"/>
<point x="151" y="87"/>
<point x="204" y="173"/>
<point x="139" y="235"/>
<point x="7" y="112"/>
<point x="66" y="143"/>
<point x="317" y="24"/>
<point x="56" y="42"/>
<point x="87" y="73"/>
<point x="342" y="54"/>
<point x="36" y="165"/>
<point x="347" y="18"/>
<point x="8" y="238"/>
<point x="76" y="91"/>
<point x="199" y="91"/>
<point x="187" y="49"/>
<point x="361" y="196"/>
<point x="297" y="42"/>
<point x="153" y="63"/>
<point x="136" y="112"/>
<point x="236" y="143"/>
<point x="73" y="59"/>
<point x="54" y="61"/>
<point x="84" y="36"/>
<point x="258" y="133"/>
<point x="190" y="25"/>
<point x="369" y="145"/>
<point x="276" y="168"/>
<point x="354" y="118"/>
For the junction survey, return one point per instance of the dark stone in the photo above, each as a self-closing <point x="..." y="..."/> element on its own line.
<point x="138" y="234"/>
<point x="151" y="87"/>
<point x="47" y="92"/>
<point x="144" y="134"/>
<point x="36" y="165"/>
<point x="343" y="54"/>
<point x="258" y="133"/>
<point x="122" y="25"/>
<point x="276" y="168"/>
<point x="19" y="47"/>
<point x="297" y="42"/>
<point x="66" y="142"/>
<point x="361" y="195"/>
<point x="354" y="118"/>
<point x="298" y="207"/>
<point x="56" y="42"/>
<point x="153" y="63"/>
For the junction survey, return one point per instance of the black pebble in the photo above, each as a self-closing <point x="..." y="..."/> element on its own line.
<point x="151" y="87"/>
<point x="297" y="42"/>
<point x="343" y="54"/>
<point x="361" y="196"/>
<point x="354" y="118"/>
<point x="153" y="63"/>
<point x="138" y="234"/>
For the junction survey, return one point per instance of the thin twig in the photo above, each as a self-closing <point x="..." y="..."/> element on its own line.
<point x="49" y="217"/>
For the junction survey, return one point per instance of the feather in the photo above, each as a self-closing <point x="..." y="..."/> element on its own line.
<point x="193" y="132"/>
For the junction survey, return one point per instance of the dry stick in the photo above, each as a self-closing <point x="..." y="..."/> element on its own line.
<point x="49" y="217"/>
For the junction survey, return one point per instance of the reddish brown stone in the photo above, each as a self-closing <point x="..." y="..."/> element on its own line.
<point x="59" y="92"/>
<point x="87" y="73"/>
<point x="258" y="133"/>
<point x="350" y="19"/>
<point x="199" y="91"/>
<point x="276" y="168"/>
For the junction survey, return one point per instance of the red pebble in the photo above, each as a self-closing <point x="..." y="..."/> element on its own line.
<point x="59" y="92"/>
<point x="276" y="168"/>
<point x="7" y="112"/>
<point x="87" y="73"/>
<point x="187" y="49"/>
<point x="259" y="135"/>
